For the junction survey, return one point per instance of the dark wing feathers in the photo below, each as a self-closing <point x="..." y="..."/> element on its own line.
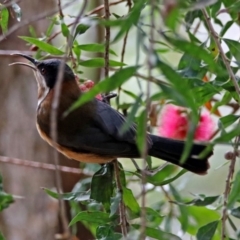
<point x="102" y="134"/>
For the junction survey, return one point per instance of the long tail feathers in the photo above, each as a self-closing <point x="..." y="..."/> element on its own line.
<point x="171" y="150"/>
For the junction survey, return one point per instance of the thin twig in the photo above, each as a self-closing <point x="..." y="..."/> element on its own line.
<point x="224" y="58"/>
<point x="40" y="165"/>
<point x="101" y="7"/>
<point x="124" y="47"/>
<point x="25" y="22"/>
<point x="148" y="104"/>
<point x="53" y="123"/>
<point x="122" y="214"/>
<point x="95" y="10"/>
<point x="152" y="79"/>
<point x="60" y="9"/>
<point x="107" y="39"/>
<point x="237" y="140"/>
<point x="122" y="211"/>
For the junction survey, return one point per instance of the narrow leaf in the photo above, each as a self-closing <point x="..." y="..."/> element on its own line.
<point x="228" y="120"/>
<point x="91" y="217"/>
<point x="141" y="132"/>
<point x="5" y="198"/>
<point x="43" y="46"/>
<point x="183" y="218"/>
<point x="130" y="201"/>
<point x="4" y="17"/>
<point x="72" y="196"/>
<point x="100" y="62"/>
<point x="203" y="201"/>
<point x="115" y="201"/>
<point x="207" y="231"/>
<point x="234" y="47"/>
<point x="102" y="185"/>
<point x="65" y="30"/>
<point x="234" y="194"/>
<point x="94" y="47"/>
<point x="157" y="233"/>
<point x="236" y="212"/>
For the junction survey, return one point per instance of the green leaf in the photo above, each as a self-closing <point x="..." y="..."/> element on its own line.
<point x="197" y="52"/>
<point x="5" y="199"/>
<point x="160" y="176"/>
<point x="200" y="201"/>
<point x="235" y="212"/>
<point x="4" y="17"/>
<point x="43" y="46"/>
<point x="226" y="27"/>
<point x="183" y="218"/>
<point x="130" y="201"/>
<point x="115" y="201"/>
<point x="153" y="217"/>
<point x="191" y="16"/>
<point x="1" y="236"/>
<point x="107" y="85"/>
<point x="228" y="120"/>
<point x="102" y="185"/>
<point x="228" y="136"/>
<point x="100" y="62"/>
<point x="80" y="29"/>
<point x="91" y="217"/>
<point x="190" y="66"/>
<point x="157" y="233"/>
<point x="94" y="47"/>
<point x="234" y="47"/>
<point x="141" y="132"/>
<point x="234" y="194"/>
<point x="106" y="232"/>
<point x="65" y="30"/>
<point x="207" y="231"/>
<point x="131" y="19"/>
<point x="72" y="196"/>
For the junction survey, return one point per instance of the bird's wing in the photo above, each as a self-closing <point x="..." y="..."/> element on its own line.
<point x="102" y="135"/>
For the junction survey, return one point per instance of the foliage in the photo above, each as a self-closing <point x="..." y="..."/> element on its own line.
<point x="200" y="78"/>
<point x="5" y="200"/>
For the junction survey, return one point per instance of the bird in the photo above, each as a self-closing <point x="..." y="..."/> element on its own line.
<point x="92" y="133"/>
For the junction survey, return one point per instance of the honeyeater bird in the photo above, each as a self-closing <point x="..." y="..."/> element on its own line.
<point x="91" y="133"/>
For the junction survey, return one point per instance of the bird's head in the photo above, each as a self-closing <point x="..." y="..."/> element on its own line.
<point x="46" y="73"/>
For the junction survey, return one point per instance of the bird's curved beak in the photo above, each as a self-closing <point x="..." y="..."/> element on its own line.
<point x="32" y="60"/>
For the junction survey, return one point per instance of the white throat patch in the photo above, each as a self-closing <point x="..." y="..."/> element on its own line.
<point x="43" y="89"/>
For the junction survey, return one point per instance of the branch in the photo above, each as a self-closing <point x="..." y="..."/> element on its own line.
<point x="40" y="165"/>
<point x="101" y="7"/>
<point x="60" y="10"/>
<point x="122" y="210"/>
<point x="53" y="124"/>
<point x="237" y="140"/>
<point x="31" y="20"/>
<point x="224" y="58"/>
<point x="107" y="38"/>
<point x="148" y="105"/>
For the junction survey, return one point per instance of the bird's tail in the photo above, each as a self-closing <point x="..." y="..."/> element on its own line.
<point x="171" y="150"/>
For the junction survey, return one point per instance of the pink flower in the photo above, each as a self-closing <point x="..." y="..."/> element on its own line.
<point x="174" y="124"/>
<point x="87" y="85"/>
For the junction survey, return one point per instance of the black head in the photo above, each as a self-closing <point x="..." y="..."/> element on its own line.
<point x="46" y="71"/>
<point x="49" y="69"/>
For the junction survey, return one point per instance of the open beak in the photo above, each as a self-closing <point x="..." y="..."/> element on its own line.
<point x="32" y="60"/>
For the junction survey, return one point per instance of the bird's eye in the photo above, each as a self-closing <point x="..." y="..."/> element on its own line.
<point x="43" y="70"/>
